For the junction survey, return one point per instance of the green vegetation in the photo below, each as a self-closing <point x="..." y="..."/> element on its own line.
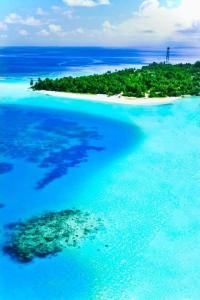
<point x="49" y="234"/>
<point x="155" y="80"/>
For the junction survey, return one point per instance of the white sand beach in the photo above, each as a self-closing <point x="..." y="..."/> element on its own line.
<point x="117" y="99"/>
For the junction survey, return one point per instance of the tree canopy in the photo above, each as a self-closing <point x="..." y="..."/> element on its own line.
<point x="154" y="80"/>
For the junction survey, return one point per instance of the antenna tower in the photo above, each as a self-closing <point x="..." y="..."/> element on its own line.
<point x="167" y="55"/>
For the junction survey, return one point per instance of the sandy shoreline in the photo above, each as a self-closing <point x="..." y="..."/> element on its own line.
<point x="113" y="99"/>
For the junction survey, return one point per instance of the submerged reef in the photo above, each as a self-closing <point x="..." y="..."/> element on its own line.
<point x="52" y="140"/>
<point x="49" y="234"/>
<point x="5" y="168"/>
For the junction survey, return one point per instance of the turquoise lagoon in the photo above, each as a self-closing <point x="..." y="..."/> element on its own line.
<point x="137" y="168"/>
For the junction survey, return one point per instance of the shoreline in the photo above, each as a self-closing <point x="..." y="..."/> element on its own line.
<point x="112" y="99"/>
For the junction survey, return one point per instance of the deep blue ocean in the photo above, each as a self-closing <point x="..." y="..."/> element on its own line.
<point x="135" y="167"/>
<point x="40" y="61"/>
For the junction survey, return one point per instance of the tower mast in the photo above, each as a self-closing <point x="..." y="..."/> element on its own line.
<point x="167" y="55"/>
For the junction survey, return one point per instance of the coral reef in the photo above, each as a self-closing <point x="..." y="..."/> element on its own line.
<point x="5" y="168"/>
<point x="49" y="234"/>
<point x="52" y="140"/>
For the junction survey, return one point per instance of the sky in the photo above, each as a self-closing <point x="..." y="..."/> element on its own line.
<point x="110" y="23"/>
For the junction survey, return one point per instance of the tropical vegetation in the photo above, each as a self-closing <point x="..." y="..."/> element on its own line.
<point x="154" y="80"/>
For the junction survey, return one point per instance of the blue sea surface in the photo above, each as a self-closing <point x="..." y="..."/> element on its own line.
<point x="29" y="62"/>
<point x="137" y="168"/>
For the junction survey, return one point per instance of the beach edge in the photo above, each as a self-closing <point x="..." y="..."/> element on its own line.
<point x="112" y="99"/>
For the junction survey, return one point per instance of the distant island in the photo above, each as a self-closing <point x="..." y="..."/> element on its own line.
<point x="156" y="80"/>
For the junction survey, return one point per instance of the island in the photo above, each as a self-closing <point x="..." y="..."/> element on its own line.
<point x="157" y="80"/>
<point x="49" y="234"/>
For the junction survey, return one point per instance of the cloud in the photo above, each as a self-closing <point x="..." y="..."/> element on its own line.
<point x="107" y="26"/>
<point x="104" y="2"/>
<point x="14" y="18"/>
<point x="68" y="14"/>
<point x="31" y="21"/>
<point x="170" y="3"/>
<point x="40" y="12"/>
<point x="55" y="8"/>
<point x="154" y="23"/>
<point x="3" y="36"/>
<point x="44" y="32"/>
<point x="23" y="32"/>
<point x="151" y="24"/>
<point x="3" y="26"/>
<point x="80" y="30"/>
<point x="56" y="29"/>
<point x="86" y="3"/>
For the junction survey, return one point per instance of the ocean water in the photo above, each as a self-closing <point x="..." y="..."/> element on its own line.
<point x="137" y="168"/>
<point x="30" y="62"/>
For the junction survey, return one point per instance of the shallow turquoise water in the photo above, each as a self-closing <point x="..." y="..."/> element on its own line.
<point x="144" y="184"/>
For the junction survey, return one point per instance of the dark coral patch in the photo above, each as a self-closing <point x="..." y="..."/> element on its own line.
<point x="5" y="168"/>
<point x="52" y="140"/>
<point x="49" y="234"/>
